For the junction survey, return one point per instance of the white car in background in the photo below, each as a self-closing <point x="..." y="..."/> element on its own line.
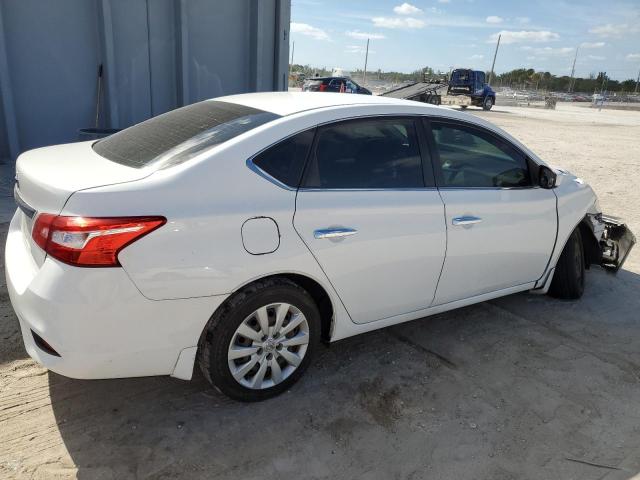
<point x="240" y="232"/>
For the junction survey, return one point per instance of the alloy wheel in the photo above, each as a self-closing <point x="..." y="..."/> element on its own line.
<point x="268" y="346"/>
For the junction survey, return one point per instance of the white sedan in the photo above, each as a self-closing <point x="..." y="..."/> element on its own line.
<point x="240" y="232"/>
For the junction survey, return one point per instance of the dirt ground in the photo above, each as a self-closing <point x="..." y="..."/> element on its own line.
<point x="524" y="387"/>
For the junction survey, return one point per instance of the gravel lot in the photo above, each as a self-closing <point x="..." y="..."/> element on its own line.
<point x="524" y="387"/>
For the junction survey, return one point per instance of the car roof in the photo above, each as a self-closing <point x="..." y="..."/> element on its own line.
<point x="289" y="103"/>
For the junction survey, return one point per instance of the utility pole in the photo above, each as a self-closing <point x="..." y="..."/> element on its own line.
<point x="637" y="82"/>
<point x="293" y="49"/>
<point x="366" y="58"/>
<point x="494" y="60"/>
<point x="573" y="71"/>
<point x="603" y="89"/>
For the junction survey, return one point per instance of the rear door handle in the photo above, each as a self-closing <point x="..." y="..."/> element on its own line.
<point x="466" y="220"/>
<point x="337" y="232"/>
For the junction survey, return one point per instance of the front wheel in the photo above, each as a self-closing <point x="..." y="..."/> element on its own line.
<point x="261" y="341"/>
<point x="487" y="103"/>
<point x="568" y="278"/>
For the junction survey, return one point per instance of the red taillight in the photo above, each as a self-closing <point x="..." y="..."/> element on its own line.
<point x="323" y="87"/>
<point x="90" y="242"/>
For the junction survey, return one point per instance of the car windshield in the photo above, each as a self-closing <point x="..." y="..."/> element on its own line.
<point x="181" y="134"/>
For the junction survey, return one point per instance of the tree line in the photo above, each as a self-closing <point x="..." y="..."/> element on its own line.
<point x="530" y="79"/>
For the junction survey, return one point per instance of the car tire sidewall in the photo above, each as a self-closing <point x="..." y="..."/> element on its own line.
<point x="224" y="330"/>
<point x="570" y="274"/>
<point x="579" y="265"/>
<point x="487" y="104"/>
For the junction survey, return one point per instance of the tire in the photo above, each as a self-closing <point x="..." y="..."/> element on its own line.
<point x="569" y="275"/>
<point x="464" y="107"/>
<point x="487" y="103"/>
<point x="216" y="352"/>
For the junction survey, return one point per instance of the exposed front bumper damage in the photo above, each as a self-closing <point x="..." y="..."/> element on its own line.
<point x="615" y="243"/>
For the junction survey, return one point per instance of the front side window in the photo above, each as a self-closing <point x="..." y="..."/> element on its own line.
<point x="285" y="160"/>
<point x="371" y="153"/>
<point x="472" y="158"/>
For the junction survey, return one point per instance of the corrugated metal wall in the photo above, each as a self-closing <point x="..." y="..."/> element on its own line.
<point x="157" y="55"/>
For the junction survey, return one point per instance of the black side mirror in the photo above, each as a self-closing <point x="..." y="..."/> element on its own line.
<point x="546" y="177"/>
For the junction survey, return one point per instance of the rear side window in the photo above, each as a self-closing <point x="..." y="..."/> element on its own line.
<point x="372" y="153"/>
<point x="179" y="135"/>
<point x="470" y="157"/>
<point x="285" y="161"/>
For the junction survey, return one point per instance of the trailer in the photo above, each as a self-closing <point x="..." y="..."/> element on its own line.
<point x="463" y="88"/>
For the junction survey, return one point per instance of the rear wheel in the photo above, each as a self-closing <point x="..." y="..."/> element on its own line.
<point x="487" y="103"/>
<point x="568" y="278"/>
<point x="261" y="341"/>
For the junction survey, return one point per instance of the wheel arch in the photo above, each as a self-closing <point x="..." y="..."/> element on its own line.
<point x="590" y="244"/>
<point x="318" y="292"/>
<point x="320" y="296"/>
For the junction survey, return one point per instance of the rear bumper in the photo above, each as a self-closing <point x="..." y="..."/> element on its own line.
<point x="96" y="319"/>
<point x="616" y="242"/>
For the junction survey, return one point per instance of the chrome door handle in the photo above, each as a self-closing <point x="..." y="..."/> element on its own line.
<point x="466" y="220"/>
<point x="334" y="232"/>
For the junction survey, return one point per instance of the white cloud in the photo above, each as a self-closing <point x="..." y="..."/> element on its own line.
<point x="364" y="35"/>
<point x="357" y="49"/>
<point x="510" y="36"/>
<point x="592" y="44"/>
<point x="476" y="57"/>
<point x="596" y="57"/>
<point x="308" y="30"/>
<point x="611" y="30"/>
<point x="494" y="19"/>
<point x="523" y="20"/>
<point x="549" y="51"/>
<point x="391" y="22"/>
<point x="633" y="56"/>
<point x="444" y="1"/>
<point x="406" y="9"/>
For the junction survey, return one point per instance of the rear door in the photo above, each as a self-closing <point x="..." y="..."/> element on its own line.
<point x="501" y="226"/>
<point x="371" y="216"/>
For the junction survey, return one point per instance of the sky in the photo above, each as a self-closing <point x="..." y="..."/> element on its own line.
<point x="406" y="36"/>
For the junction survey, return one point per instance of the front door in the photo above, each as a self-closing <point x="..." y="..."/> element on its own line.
<point x="367" y="215"/>
<point x="501" y="227"/>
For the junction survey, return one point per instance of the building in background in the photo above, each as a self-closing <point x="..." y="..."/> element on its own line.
<point x="156" y="55"/>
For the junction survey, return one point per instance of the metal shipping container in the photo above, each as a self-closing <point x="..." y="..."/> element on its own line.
<point x="156" y="55"/>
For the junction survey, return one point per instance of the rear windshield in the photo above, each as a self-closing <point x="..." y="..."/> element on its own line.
<point x="179" y="135"/>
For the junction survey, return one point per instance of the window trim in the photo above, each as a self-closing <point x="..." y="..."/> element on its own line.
<point x="267" y="176"/>
<point x="435" y="154"/>
<point x="423" y="151"/>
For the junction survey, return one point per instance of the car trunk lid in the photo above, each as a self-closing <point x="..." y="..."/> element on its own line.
<point x="47" y="177"/>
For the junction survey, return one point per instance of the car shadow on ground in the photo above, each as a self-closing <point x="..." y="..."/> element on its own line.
<point x="520" y="387"/>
